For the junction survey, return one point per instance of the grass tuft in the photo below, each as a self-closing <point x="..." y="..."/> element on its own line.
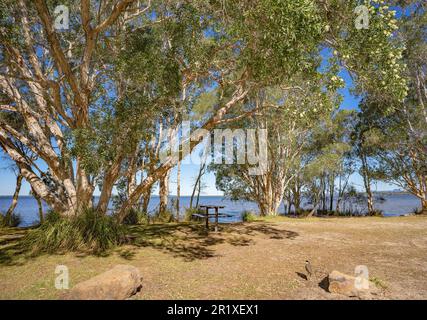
<point x="248" y="216"/>
<point x="13" y="221"/>
<point x="88" y="231"/>
<point x="135" y="217"/>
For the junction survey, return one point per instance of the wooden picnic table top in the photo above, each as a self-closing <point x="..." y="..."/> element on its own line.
<point x="222" y="215"/>
<point x="212" y="207"/>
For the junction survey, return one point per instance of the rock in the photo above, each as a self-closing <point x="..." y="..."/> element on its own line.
<point x="119" y="283"/>
<point x="344" y="284"/>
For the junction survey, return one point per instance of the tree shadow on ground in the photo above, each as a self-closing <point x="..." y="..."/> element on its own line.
<point x="192" y="242"/>
<point x="11" y="249"/>
<point x="265" y="229"/>
<point x="189" y="241"/>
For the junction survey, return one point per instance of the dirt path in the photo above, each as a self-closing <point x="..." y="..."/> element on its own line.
<point x="260" y="260"/>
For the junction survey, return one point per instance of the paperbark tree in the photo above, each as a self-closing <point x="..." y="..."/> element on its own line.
<point x="11" y="209"/>
<point x="399" y="136"/>
<point x="85" y="113"/>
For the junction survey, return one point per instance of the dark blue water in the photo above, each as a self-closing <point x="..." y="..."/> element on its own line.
<point x="394" y="205"/>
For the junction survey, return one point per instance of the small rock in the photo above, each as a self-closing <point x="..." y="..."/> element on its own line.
<point x="346" y="285"/>
<point x="119" y="283"/>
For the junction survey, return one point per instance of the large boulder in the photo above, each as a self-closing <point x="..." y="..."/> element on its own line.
<point x="344" y="284"/>
<point x="119" y="283"/>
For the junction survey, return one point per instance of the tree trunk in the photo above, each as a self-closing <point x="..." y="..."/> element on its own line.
<point x="199" y="190"/>
<point x="324" y="193"/>
<point x="107" y="186"/>
<point x="424" y="206"/>
<point x="371" y="209"/>
<point x="146" y="200"/>
<point x="337" y="207"/>
<point x="39" y="204"/>
<point x="331" y="192"/>
<point x="316" y="203"/>
<point x="296" y="199"/>
<point x="12" y="207"/>
<point x="367" y="185"/>
<point x="178" y="188"/>
<point x="104" y="199"/>
<point x="268" y="206"/>
<point x="164" y="192"/>
<point x="197" y="184"/>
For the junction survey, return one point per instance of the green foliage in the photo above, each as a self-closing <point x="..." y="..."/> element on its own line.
<point x="13" y="221"/>
<point x="379" y="283"/>
<point x="248" y="216"/>
<point x="212" y="49"/>
<point x="188" y="215"/>
<point x="165" y="216"/>
<point x="88" y="232"/>
<point x="285" y="32"/>
<point x="135" y="217"/>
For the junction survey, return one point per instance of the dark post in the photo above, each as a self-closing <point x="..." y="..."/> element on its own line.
<point x="216" y="219"/>
<point x="207" y="218"/>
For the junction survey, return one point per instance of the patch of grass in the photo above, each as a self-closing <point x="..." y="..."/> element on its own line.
<point x="135" y="217"/>
<point x="165" y="216"/>
<point x="248" y="216"/>
<point x="378" y="283"/>
<point x="88" y="231"/>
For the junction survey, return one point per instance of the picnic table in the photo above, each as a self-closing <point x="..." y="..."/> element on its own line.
<point x="206" y="215"/>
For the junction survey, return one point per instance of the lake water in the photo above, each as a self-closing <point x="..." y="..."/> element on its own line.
<point x="394" y="205"/>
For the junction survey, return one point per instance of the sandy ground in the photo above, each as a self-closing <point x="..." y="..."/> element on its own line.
<point x="259" y="260"/>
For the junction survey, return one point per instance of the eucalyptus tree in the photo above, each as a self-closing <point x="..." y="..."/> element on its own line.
<point x="288" y="116"/>
<point x="364" y="148"/>
<point x="90" y="96"/>
<point x="398" y="135"/>
<point x="327" y="167"/>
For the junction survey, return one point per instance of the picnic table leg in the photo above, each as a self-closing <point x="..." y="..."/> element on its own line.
<point x="216" y="219"/>
<point x="207" y="219"/>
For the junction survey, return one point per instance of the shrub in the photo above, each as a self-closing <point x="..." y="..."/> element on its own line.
<point x="188" y="216"/>
<point x="248" y="216"/>
<point x="165" y="216"/>
<point x="88" y="231"/>
<point x="376" y="213"/>
<point x="419" y="211"/>
<point x="52" y="216"/>
<point x="13" y="221"/>
<point x="136" y="217"/>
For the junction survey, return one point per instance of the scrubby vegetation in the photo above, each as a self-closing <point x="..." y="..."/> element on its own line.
<point x="248" y="216"/>
<point x="164" y="216"/>
<point x="88" y="231"/>
<point x="189" y="212"/>
<point x="136" y="217"/>
<point x="12" y="221"/>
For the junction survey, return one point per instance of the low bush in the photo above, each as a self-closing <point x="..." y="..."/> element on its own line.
<point x="88" y="231"/>
<point x="189" y="212"/>
<point x="248" y="216"/>
<point x="13" y="221"/>
<point x="376" y="213"/>
<point x="135" y="217"/>
<point x="165" y="216"/>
